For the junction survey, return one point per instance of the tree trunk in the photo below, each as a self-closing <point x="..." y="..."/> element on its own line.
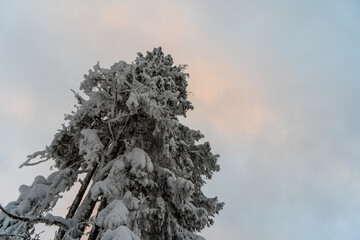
<point x="96" y="230"/>
<point x="82" y="216"/>
<point x="79" y="196"/>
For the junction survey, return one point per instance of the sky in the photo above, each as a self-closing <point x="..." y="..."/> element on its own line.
<point x="275" y="85"/>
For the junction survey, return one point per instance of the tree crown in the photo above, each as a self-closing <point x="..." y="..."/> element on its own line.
<point x="142" y="165"/>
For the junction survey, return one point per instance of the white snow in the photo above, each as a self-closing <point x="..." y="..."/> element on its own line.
<point x="139" y="159"/>
<point x="132" y="102"/>
<point x="121" y="233"/>
<point x="181" y="190"/>
<point x="114" y="215"/>
<point x="31" y="196"/>
<point x="130" y="202"/>
<point x="91" y="145"/>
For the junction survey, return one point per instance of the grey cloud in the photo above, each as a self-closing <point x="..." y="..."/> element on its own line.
<point x="296" y="178"/>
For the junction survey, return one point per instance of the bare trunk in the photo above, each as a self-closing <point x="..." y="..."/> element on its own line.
<point x="82" y="216"/>
<point x="79" y="196"/>
<point x="96" y="230"/>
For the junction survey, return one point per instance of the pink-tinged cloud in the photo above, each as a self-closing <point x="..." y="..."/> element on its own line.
<point x="117" y="29"/>
<point x="271" y="84"/>
<point x="228" y="98"/>
<point x="226" y="94"/>
<point x="17" y="106"/>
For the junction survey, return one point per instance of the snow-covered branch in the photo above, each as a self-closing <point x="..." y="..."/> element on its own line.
<point x="48" y="220"/>
<point x="31" y="157"/>
<point x="12" y="236"/>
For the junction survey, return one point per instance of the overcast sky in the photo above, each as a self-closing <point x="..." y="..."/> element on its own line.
<point x="275" y="85"/>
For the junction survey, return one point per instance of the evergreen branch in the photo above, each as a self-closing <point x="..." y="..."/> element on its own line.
<point x="32" y="164"/>
<point x="78" y="97"/>
<point x="31" y="157"/>
<point x="110" y="129"/>
<point x="129" y="90"/>
<point x="14" y="216"/>
<point x="34" y="220"/>
<point x="114" y="107"/>
<point x="82" y="160"/>
<point x="74" y="227"/>
<point x="12" y="235"/>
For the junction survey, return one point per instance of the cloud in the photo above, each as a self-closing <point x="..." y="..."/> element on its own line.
<point x="227" y="97"/>
<point x="274" y="88"/>
<point x="16" y="106"/>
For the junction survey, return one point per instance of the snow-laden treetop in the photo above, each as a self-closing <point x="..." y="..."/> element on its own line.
<point x="146" y="169"/>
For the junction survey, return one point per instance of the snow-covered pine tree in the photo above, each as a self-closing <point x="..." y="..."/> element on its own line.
<point x="143" y="167"/>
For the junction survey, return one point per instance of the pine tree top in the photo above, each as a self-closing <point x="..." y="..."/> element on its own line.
<point x="146" y="169"/>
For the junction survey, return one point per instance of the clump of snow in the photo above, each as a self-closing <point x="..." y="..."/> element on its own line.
<point x="105" y="188"/>
<point x="130" y="202"/>
<point x="120" y="233"/>
<point x="139" y="159"/>
<point x="41" y="195"/>
<point x="118" y="166"/>
<point x="90" y="145"/>
<point x="61" y="180"/>
<point x="114" y="215"/>
<point x="181" y="190"/>
<point x="172" y="142"/>
<point x="132" y="102"/>
<point x="138" y="163"/>
<point x="31" y="196"/>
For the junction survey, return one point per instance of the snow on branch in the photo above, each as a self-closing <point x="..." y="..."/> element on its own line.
<point x="48" y="219"/>
<point x="13" y="235"/>
<point x="31" y="157"/>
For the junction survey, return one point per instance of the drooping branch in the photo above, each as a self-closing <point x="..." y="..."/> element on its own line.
<point x="12" y="235"/>
<point x="45" y="220"/>
<point x="31" y="157"/>
<point x="14" y="216"/>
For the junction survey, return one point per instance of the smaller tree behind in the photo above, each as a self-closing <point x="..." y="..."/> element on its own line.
<point x="143" y="167"/>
